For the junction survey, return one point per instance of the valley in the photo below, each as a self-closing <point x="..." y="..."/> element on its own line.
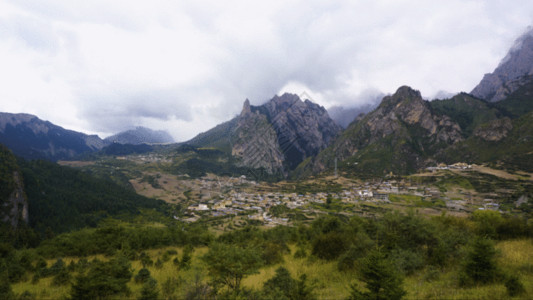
<point x="412" y="199"/>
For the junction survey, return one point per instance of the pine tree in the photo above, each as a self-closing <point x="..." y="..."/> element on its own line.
<point x="383" y="281"/>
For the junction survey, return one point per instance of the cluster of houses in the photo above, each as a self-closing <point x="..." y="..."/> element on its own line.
<point x="456" y="166"/>
<point x="257" y="205"/>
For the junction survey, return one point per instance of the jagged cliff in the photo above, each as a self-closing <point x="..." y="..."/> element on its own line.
<point x="254" y="142"/>
<point x="13" y="200"/>
<point x="275" y="136"/>
<point x="515" y="70"/>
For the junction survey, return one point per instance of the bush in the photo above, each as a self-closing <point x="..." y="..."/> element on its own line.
<point x="142" y="276"/>
<point x="63" y="277"/>
<point x="281" y="283"/>
<point x="514" y="286"/>
<point x="149" y="290"/>
<point x="381" y="277"/>
<point x="103" y="280"/>
<point x="329" y="245"/>
<point x="479" y="265"/>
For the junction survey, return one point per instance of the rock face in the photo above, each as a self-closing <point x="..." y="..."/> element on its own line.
<point x="303" y="128"/>
<point x="13" y="200"/>
<point x="494" y="131"/>
<point x="141" y="135"/>
<point x="275" y="136"/>
<point x="32" y="138"/>
<point x="515" y="70"/>
<point x="399" y="136"/>
<point x="255" y="142"/>
<point x="406" y="106"/>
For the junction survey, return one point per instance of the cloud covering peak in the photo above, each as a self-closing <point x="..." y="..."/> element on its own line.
<point x="185" y="66"/>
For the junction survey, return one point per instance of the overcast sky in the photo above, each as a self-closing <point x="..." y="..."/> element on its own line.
<point x="103" y="66"/>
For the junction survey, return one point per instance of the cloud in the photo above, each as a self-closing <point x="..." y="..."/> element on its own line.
<point x="102" y="66"/>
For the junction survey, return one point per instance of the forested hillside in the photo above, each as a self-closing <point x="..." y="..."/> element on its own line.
<point x="63" y="199"/>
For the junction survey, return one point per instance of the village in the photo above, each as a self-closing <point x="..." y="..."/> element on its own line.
<point x="257" y="204"/>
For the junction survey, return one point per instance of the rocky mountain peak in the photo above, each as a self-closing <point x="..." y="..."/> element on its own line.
<point x="514" y="70"/>
<point x="404" y="96"/>
<point x="246" y="108"/>
<point x="279" y="134"/>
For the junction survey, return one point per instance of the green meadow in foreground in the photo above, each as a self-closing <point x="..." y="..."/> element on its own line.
<point x="399" y="255"/>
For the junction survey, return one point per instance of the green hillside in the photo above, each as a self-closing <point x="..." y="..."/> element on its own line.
<point x="8" y="164"/>
<point x="62" y="199"/>
<point x="519" y="102"/>
<point x="468" y="111"/>
<point x="514" y="152"/>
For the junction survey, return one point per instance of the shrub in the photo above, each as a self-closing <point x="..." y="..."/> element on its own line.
<point x="329" y="245"/>
<point x="514" y="286"/>
<point x="381" y="277"/>
<point x="142" y="276"/>
<point x="479" y="265"/>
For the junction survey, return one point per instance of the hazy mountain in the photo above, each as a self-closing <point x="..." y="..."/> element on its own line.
<point x="32" y="138"/>
<point x="515" y="70"/>
<point x="141" y="135"/>
<point x="343" y="116"/>
<point x="275" y="136"/>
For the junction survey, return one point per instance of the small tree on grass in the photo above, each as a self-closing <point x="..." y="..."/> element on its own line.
<point x="479" y="266"/>
<point x="229" y="264"/>
<point x="382" y="279"/>
<point x="186" y="258"/>
<point x="283" y="286"/>
<point x="146" y="261"/>
<point x="142" y="276"/>
<point x="103" y="280"/>
<point x="282" y="283"/>
<point x="149" y="290"/>
<point x="514" y="286"/>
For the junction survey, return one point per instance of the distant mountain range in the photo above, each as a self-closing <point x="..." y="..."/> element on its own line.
<point x="32" y="138"/>
<point x="289" y="136"/>
<point x="141" y="135"/>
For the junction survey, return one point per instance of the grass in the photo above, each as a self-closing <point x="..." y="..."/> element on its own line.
<point x="404" y="198"/>
<point x="515" y="257"/>
<point x="327" y="281"/>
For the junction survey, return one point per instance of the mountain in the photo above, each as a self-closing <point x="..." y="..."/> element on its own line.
<point x="468" y="111"/>
<point x="275" y="136"/>
<point x="343" y="116"/>
<point x="13" y="200"/>
<point x="141" y="135"/>
<point x="32" y="138"/>
<point x="501" y="143"/>
<point x="399" y="136"/>
<point x="514" y="71"/>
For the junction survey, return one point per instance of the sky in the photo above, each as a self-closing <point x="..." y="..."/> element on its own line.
<point x="104" y="66"/>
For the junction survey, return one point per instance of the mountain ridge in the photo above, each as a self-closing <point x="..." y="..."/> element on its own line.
<point x="275" y="136"/>
<point x="141" y="135"/>
<point x="32" y="138"/>
<point x="515" y="70"/>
